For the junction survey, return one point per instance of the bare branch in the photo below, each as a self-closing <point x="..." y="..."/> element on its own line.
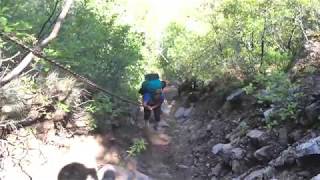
<point x="57" y="26"/>
<point x="49" y="18"/>
<point x="10" y="58"/>
<point x="29" y="57"/>
<point x="4" y="72"/>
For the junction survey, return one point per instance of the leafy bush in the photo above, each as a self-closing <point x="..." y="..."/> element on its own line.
<point x="138" y="146"/>
<point x="64" y="107"/>
<point x="249" y="89"/>
<point x="282" y="93"/>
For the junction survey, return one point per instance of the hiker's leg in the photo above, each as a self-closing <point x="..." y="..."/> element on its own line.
<point x="147" y="114"/>
<point x="157" y="113"/>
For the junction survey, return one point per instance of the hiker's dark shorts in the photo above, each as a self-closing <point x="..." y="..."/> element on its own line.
<point x="156" y="112"/>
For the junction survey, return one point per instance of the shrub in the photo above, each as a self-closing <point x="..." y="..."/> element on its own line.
<point x="138" y="146"/>
<point x="280" y="92"/>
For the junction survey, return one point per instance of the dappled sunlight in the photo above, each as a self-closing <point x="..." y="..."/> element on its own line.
<point x="157" y="15"/>
<point x="157" y="138"/>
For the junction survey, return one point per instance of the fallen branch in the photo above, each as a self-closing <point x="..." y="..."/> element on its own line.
<point x="4" y="72"/>
<point x="10" y="58"/>
<point x="8" y="127"/>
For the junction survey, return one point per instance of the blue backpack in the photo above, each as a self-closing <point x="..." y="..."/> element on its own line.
<point x="151" y="84"/>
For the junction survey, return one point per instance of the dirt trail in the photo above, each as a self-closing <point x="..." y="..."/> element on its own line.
<point x="160" y="160"/>
<point x="47" y="159"/>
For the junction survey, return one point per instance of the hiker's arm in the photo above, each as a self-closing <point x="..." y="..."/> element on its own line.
<point x="156" y="106"/>
<point x="145" y="105"/>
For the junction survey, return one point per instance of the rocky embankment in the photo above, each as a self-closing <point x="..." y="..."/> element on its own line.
<point x="229" y="137"/>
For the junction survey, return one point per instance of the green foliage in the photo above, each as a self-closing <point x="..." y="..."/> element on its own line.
<point x="91" y="108"/>
<point x="249" y="89"/>
<point x="139" y="145"/>
<point x="91" y="42"/>
<point x="282" y="93"/>
<point x="101" y="104"/>
<point x="63" y="106"/>
<point x="29" y="85"/>
<point x="99" y="48"/>
<point x="246" y="38"/>
<point x="277" y="88"/>
<point x="92" y="124"/>
<point x="101" y="109"/>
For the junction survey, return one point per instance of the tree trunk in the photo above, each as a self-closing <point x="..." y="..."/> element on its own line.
<point x="40" y="45"/>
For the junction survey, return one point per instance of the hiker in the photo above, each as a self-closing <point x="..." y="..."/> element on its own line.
<point x="151" y="89"/>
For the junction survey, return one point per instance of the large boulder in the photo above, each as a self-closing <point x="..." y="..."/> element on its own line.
<point x="263" y="173"/>
<point x="286" y="158"/>
<point x="265" y="153"/>
<point x="317" y="177"/>
<point x="311" y="147"/>
<point x="183" y="113"/>
<point x="312" y="113"/>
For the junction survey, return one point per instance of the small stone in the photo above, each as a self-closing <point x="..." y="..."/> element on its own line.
<point x="255" y="134"/>
<point x="80" y="123"/>
<point x="181" y="166"/>
<point x="238" y="153"/>
<point x="236" y="95"/>
<point x="296" y="135"/>
<point x="179" y="113"/>
<point x="187" y="112"/>
<point x="238" y="166"/>
<point x="217" y="169"/>
<point x="265" y="153"/>
<point x="221" y="148"/>
<point x="268" y="113"/>
<point x="214" y="178"/>
<point x="258" y="137"/>
<point x="163" y="123"/>
<point x="217" y="148"/>
<point x="283" y="136"/>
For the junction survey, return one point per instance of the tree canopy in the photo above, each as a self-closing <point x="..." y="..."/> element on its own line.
<point x="115" y="42"/>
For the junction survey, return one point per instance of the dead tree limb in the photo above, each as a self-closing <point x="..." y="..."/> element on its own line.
<point x="12" y="57"/>
<point x="42" y="44"/>
<point x="40" y="35"/>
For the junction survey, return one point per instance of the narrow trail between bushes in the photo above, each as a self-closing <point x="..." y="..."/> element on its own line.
<point x="164" y="151"/>
<point x="54" y="152"/>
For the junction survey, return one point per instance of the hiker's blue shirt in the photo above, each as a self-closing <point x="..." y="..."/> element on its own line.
<point x="147" y="98"/>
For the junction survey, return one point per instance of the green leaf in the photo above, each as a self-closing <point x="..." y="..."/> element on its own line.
<point x="3" y="21"/>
